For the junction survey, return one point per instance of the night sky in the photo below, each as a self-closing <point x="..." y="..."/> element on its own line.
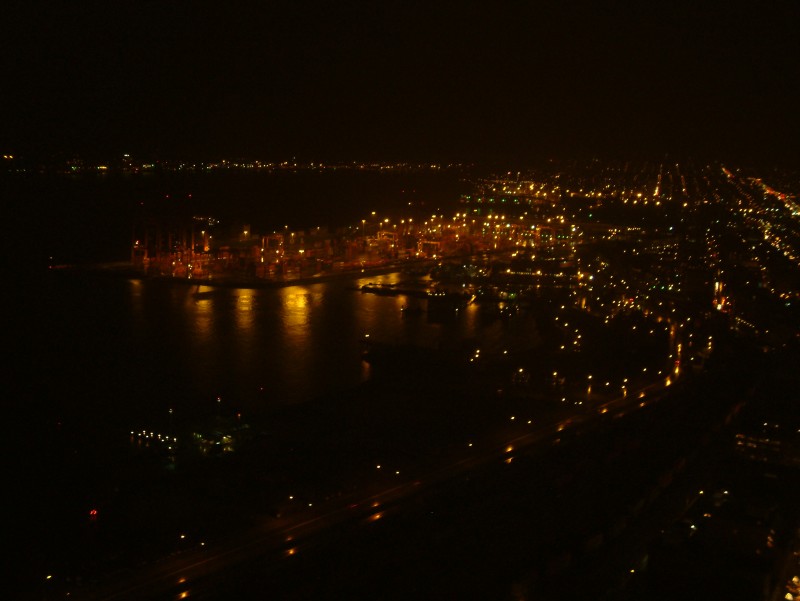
<point x="389" y="80"/>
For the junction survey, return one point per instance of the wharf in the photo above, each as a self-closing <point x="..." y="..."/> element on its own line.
<point x="233" y="280"/>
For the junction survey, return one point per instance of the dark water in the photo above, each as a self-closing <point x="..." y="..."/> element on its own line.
<point x="101" y="354"/>
<point x="129" y="350"/>
<point x="120" y="343"/>
<point x="90" y="357"/>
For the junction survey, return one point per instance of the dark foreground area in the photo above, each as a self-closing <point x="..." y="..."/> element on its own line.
<point x="425" y="494"/>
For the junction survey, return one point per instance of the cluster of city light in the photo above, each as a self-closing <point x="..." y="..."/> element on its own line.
<point x="154" y="437"/>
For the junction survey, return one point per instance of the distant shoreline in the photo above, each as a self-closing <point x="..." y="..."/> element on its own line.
<point x="124" y="270"/>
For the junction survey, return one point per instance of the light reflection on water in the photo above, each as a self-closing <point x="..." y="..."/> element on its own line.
<point x="294" y="339"/>
<point x="295" y="342"/>
<point x="245" y="319"/>
<point x="126" y="351"/>
<point x="203" y="320"/>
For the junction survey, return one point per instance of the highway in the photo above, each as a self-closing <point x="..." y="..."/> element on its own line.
<point x="278" y="540"/>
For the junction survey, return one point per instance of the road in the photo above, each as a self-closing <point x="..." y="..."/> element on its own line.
<point x="277" y="540"/>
